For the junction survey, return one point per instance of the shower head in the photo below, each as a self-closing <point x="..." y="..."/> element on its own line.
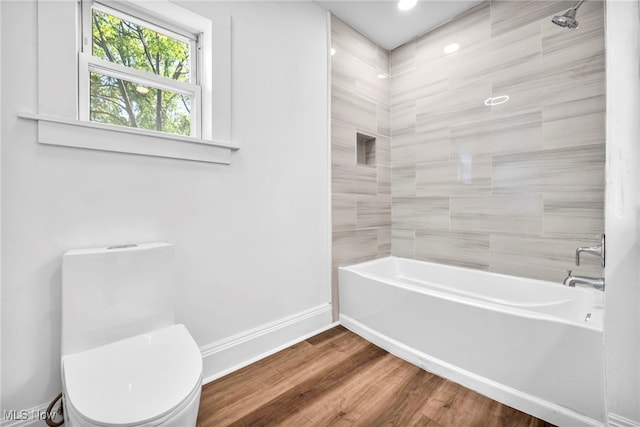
<point x="568" y="20"/>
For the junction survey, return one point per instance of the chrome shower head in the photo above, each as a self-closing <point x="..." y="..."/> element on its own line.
<point x="568" y="20"/>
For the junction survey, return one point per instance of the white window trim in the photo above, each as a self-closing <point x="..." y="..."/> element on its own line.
<point x="58" y="79"/>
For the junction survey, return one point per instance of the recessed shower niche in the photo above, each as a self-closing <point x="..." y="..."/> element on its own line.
<point x="365" y="149"/>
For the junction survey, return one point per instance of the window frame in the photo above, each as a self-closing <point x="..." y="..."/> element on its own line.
<point x="55" y="111"/>
<point x="88" y="63"/>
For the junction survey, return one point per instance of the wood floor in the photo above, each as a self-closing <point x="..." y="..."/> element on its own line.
<point x="339" y="379"/>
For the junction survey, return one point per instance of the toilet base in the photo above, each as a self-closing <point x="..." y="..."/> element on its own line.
<point x="184" y="416"/>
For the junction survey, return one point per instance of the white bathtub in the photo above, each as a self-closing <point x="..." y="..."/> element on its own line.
<point x="533" y="345"/>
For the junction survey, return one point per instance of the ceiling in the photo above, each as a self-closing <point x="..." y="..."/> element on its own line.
<point x="389" y="27"/>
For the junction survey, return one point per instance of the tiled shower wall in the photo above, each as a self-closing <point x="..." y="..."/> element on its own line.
<point x="511" y="188"/>
<point x="361" y="193"/>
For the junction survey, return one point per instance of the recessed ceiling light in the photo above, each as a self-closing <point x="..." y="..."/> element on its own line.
<point x="382" y="76"/>
<point x="332" y="51"/>
<point x="453" y="47"/>
<point x="406" y="4"/>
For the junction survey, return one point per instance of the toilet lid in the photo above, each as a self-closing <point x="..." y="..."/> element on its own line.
<point x="134" y="380"/>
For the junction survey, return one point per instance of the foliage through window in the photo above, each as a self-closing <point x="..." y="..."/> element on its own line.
<point x="139" y="73"/>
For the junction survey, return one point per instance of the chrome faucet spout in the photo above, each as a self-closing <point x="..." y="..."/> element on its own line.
<point x="568" y="281"/>
<point x="596" y="282"/>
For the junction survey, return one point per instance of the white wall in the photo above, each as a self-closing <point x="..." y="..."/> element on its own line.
<point x="252" y="239"/>
<point x="622" y="215"/>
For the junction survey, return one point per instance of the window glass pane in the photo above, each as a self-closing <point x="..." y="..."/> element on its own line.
<point x="121" y="102"/>
<point x="132" y="45"/>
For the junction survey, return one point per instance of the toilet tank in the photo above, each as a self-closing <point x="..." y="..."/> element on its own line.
<point x="113" y="293"/>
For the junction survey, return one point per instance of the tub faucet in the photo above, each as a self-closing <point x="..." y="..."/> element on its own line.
<point x="596" y="282"/>
<point x="597" y="250"/>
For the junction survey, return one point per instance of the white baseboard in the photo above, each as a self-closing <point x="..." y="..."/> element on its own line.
<point x="620" y="421"/>
<point x="230" y="354"/>
<point x="535" y="406"/>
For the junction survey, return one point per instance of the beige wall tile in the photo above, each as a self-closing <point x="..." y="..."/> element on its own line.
<point x="421" y="147"/>
<point x="402" y="242"/>
<point x="403" y="180"/>
<point x="461" y="249"/>
<point x="462" y="175"/>
<point x="426" y="213"/>
<point x="507" y="51"/>
<point x="383" y="151"/>
<point x="402" y="58"/>
<point x="354" y="246"/>
<point x="384" y="241"/>
<point x="384" y="180"/>
<point x="355" y="179"/>
<point x="361" y="193"/>
<point x="384" y="60"/>
<point x="562" y="171"/>
<point x="574" y="123"/>
<point x="571" y="109"/>
<point x="546" y="84"/>
<point x="346" y="40"/>
<point x="583" y="129"/>
<point x="373" y="211"/>
<point x="461" y="105"/>
<point x="370" y="86"/>
<point x="384" y="120"/>
<point x="512" y="214"/>
<point x="573" y="216"/>
<point x="343" y="144"/>
<point x="513" y="188"/>
<point x="351" y="108"/>
<point x="403" y="118"/>
<point x="495" y="136"/>
<point x="427" y="80"/>
<point x="344" y="69"/>
<point x="343" y="211"/>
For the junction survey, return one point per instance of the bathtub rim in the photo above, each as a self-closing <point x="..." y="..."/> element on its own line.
<point x="596" y="323"/>
<point x="455" y="267"/>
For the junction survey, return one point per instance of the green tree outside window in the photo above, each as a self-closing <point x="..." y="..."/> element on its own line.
<point x="125" y="103"/>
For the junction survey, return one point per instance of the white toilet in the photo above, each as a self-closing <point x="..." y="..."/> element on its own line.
<point x="124" y="360"/>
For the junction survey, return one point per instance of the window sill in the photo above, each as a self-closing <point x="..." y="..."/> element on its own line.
<point x="97" y="136"/>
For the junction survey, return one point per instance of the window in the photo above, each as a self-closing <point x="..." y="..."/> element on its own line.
<point x="191" y="85"/>
<point x="138" y="71"/>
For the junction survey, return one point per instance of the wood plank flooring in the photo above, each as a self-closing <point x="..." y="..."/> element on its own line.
<point x="339" y="379"/>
